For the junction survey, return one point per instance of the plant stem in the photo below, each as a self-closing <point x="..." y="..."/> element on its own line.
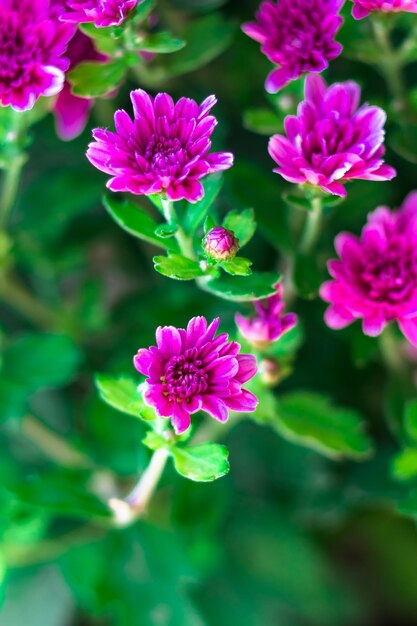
<point x="184" y="241"/>
<point x="11" y="179"/>
<point x="390" y="351"/>
<point x="312" y="226"/>
<point x="22" y="301"/>
<point x="135" y="504"/>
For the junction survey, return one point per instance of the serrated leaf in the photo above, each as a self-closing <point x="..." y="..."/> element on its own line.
<point x="203" y="463"/>
<point x="121" y="393"/>
<point x="239" y="266"/>
<point x="92" y="79"/>
<point x="136" y="222"/>
<point x="196" y="213"/>
<point x="161" y="43"/>
<point x="178" y="267"/>
<point x="242" y="223"/>
<point x="243" y="289"/>
<point x="311" y="420"/>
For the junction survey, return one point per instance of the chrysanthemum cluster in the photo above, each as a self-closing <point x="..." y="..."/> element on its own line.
<point x="331" y="141"/>
<point x="101" y="12"/>
<point x="298" y="37"/>
<point x="192" y="370"/>
<point x="376" y="277"/>
<point x="164" y="149"/>
<point x="362" y="8"/>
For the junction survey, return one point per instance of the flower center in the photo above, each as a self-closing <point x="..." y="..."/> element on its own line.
<point x="165" y="154"/>
<point x="18" y="50"/>
<point x="391" y="277"/>
<point x="185" y="376"/>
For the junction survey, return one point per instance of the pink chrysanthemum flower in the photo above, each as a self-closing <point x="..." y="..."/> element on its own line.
<point x="101" y="12"/>
<point x="192" y="370"/>
<point x="269" y="323"/>
<point x="32" y="49"/>
<point x="165" y="149"/>
<point x="331" y="140"/>
<point x="296" y="36"/>
<point x="362" y="8"/>
<point x="376" y="277"/>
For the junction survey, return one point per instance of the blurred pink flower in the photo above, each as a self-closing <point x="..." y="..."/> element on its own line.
<point x="376" y="277"/>
<point x="331" y="140"/>
<point x="192" y="370"/>
<point x="362" y="8"/>
<point x="101" y="12"/>
<point x="165" y="149"/>
<point x="269" y="323"/>
<point x="296" y="36"/>
<point x="32" y="52"/>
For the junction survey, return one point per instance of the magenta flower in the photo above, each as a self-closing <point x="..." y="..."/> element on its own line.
<point x="192" y="370"/>
<point x="101" y="12"/>
<point x="71" y="112"/>
<point x="269" y="323"/>
<point x="296" y="36"/>
<point x="362" y="8"/>
<point x="376" y="277"/>
<point x="221" y="244"/>
<point x="32" y="49"/>
<point x="331" y="141"/>
<point x="165" y="149"/>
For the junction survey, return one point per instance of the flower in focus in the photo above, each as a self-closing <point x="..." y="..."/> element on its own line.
<point x="101" y="12"/>
<point x="32" y="49"/>
<point x="362" y="8"/>
<point x="165" y="149"/>
<point x="296" y="36"/>
<point x="221" y="244"/>
<point x="269" y="323"/>
<point x="376" y="277"/>
<point x="331" y="140"/>
<point x="192" y="370"/>
<point x="71" y="112"/>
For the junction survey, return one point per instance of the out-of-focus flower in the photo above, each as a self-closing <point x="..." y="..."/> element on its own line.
<point x="192" y="370"/>
<point x="165" y="149"/>
<point x="269" y="323"/>
<point x="362" y="8"/>
<point x="331" y="140"/>
<point x="296" y="36"/>
<point x="101" y="12"/>
<point x="220" y="244"/>
<point x="376" y="277"/>
<point x="71" y="112"/>
<point x="32" y="49"/>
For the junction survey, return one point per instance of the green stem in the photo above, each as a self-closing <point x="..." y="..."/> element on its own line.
<point x="390" y="351"/>
<point x="10" y="186"/>
<point x="312" y="226"/>
<point x="14" y="294"/>
<point x="184" y="241"/>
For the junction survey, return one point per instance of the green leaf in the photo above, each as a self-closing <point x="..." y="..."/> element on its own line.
<point x="178" y="267"/>
<point x="295" y="201"/>
<point x="13" y="400"/>
<point x="121" y="393"/>
<point x="410" y="419"/>
<point x="161" y="43"/>
<point x="142" y="10"/>
<point x="216" y="34"/>
<point x="104" y="39"/>
<point x="155" y="441"/>
<point x="91" y="80"/>
<point x="405" y="464"/>
<point x="166" y="230"/>
<point x="242" y="223"/>
<point x="307" y="275"/>
<point x="242" y="289"/>
<point x="311" y="420"/>
<point x="203" y="463"/>
<point x="196" y="213"/>
<point x="408" y="506"/>
<point x="136" y="222"/>
<point x="39" y="361"/>
<point x="262" y="121"/>
<point x="239" y="266"/>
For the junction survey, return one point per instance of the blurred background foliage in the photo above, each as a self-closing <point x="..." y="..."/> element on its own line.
<point x="292" y="536"/>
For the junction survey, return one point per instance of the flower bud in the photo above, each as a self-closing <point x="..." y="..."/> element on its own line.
<point x="221" y="244"/>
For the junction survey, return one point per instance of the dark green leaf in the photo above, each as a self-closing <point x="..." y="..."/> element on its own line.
<point x="405" y="464"/>
<point x="242" y="223"/>
<point x="262" y="121"/>
<point x="121" y="393"/>
<point x="13" y="400"/>
<point x="307" y="275"/>
<point x="203" y="463"/>
<point x="178" y="267"/>
<point x="161" y="43"/>
<point x="242" y="289"/>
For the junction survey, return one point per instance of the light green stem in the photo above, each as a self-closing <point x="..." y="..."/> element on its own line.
<point x="184" y="241"/>
<point x="22" y="301"/>
<point x="312" y="226"/>
<point x="390" y="351"/>
<point x="10" y="186"/>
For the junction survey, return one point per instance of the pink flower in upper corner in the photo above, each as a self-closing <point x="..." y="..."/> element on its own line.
<point x="298" y="37"/>
<point x="362" y="8"/>
<point x="101" y="12"/>
<point x="376" y="277"/>
<point x="331" y="140"/>
<point x="32" y="49"/>
<point x="192" y="370"/>
<point x="71" y="112"/>
<point x="165" y="149"/>
<point x="269" y="323"/>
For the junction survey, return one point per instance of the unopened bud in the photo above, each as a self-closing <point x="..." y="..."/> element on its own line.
<point x="221" y="244"/>
<point x="270" y="371"/>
